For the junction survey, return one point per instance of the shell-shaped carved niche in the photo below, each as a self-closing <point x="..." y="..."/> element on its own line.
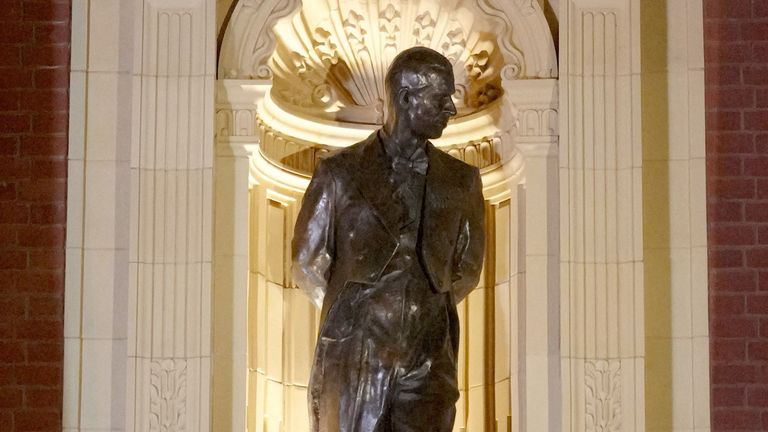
<point x="331" y="57"/>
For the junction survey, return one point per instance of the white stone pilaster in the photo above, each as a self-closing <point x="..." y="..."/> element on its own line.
<point x="235" y="140"/>
<point x="601" y="260"/>
<point x="169" y="325"/>
<point x="98" y="195"/>
<point x="536" y="389"/>
<point x="675" y="235"/>
<point x="230" y="289"/>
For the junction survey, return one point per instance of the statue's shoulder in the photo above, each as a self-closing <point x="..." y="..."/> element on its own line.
<point x="350" y="156"/>
<point x="450" y="164"/>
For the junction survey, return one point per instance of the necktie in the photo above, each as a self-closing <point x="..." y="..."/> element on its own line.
<point x="418" y="162"/>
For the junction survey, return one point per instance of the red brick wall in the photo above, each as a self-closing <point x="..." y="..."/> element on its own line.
<point x="34" y="80"/>
<point x="736" y="56"/>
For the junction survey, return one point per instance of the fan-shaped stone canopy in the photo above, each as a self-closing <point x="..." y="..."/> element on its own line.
<point x="326" y="61"/>
<point x="517" y="27"/>
<point x="330" y="63"/>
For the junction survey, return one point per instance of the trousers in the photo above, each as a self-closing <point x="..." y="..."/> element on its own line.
<point x="394" y="368"/>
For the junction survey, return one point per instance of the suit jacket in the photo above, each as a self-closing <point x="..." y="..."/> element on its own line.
<point x="345" y="234"/>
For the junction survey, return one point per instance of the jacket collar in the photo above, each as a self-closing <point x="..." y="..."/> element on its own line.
<point x="372" y="180"/>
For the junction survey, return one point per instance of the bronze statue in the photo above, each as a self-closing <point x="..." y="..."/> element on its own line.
<point x="389" y="238"/>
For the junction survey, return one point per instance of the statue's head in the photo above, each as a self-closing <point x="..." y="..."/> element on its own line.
<point x="419" y="88"/>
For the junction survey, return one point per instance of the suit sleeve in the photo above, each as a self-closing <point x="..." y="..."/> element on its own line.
<point x="313" y="243"/>
<point x="470" y="247"/>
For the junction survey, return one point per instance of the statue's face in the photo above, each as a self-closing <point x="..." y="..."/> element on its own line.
<point x="429" y="108"/>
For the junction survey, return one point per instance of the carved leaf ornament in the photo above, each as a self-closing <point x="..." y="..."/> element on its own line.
<point x="167" y="401"/>
<point x="603" y="395"/>
<point x="517" y="29"/>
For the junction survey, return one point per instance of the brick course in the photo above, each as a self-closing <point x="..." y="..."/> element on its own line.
<point x="34" y="85"/>
<point x="736" y="57"/>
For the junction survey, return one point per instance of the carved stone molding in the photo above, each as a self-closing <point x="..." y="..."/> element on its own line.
<point x="293" y="143"/>
<point x="249" y="40"/>
<point x="603" y="395"/>
<point x="168" y="394"/>
<point x="300" y="157"/>
<point x="235" y="123"/>
<point x="537" y="122"/>
<point x="525" y="27"/>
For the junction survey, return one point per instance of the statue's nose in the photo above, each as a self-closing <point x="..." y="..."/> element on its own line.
<point x="450" y="108"/>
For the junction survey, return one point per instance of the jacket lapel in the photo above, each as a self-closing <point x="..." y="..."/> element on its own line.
<point x="438" y="226"/>
<point x="373" y="183"/>
<point x="433" y="195"/>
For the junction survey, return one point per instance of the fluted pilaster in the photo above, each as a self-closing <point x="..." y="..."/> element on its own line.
<point x="170" y="274"/>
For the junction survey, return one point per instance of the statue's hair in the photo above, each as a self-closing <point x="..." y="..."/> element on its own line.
<point x="418" y="60"/>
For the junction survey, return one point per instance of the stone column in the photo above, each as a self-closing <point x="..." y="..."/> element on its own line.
<point x="235" y="142"/>
<point x="675" y="217"/>
<point x="602" y="291"/>
<point x="98" y="196"/>
<point x="536" y="380"/>
<point x="170" y="275"/>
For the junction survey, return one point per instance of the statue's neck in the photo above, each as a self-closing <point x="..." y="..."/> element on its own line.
<point x="400" y="136"/>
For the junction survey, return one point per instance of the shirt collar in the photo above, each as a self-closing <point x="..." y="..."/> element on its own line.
<point x="390" y="147"/>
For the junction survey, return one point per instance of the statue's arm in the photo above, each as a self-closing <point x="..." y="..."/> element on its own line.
<point x="312" y="247"/>
<point x="470" y="247"/>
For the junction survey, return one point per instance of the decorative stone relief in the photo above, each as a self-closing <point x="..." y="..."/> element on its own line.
<point x="537" y="122"/>
<point x="288" y="152"/>
<point x="341" y="72"/>
<point x="300" y="156"/>
<point x="390" y="25"/>
<point x="235" y="123"/>
<point x="249" y="40"/>
<point x="603" y="397"/>
<point x="522" y="31"/>
<point x="422" y="31"/>
<point x="167" y="401"/>
<point x="523" y="38"/>
<point x="484" y="153"/>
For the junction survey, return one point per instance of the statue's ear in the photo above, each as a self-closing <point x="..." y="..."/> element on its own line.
<point x="403" y="97"/>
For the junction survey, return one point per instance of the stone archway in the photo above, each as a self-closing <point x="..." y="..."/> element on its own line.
<point x="320" y="88"/>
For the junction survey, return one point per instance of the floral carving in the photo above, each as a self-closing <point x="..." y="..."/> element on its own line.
<point x="168" y="394"/>
<point x="353" y="25"/>
<point x="326" y="46"/>
<point x="390" y="25"/>
<point x="425" y="27"/>
<point x="603" y="398"/>
<point x="455" y="43"/>
<point x="487" y="94"/>
<point x="331" y="65"/>
<point x="478" y="64"/>
<point x="258" y="28"/>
